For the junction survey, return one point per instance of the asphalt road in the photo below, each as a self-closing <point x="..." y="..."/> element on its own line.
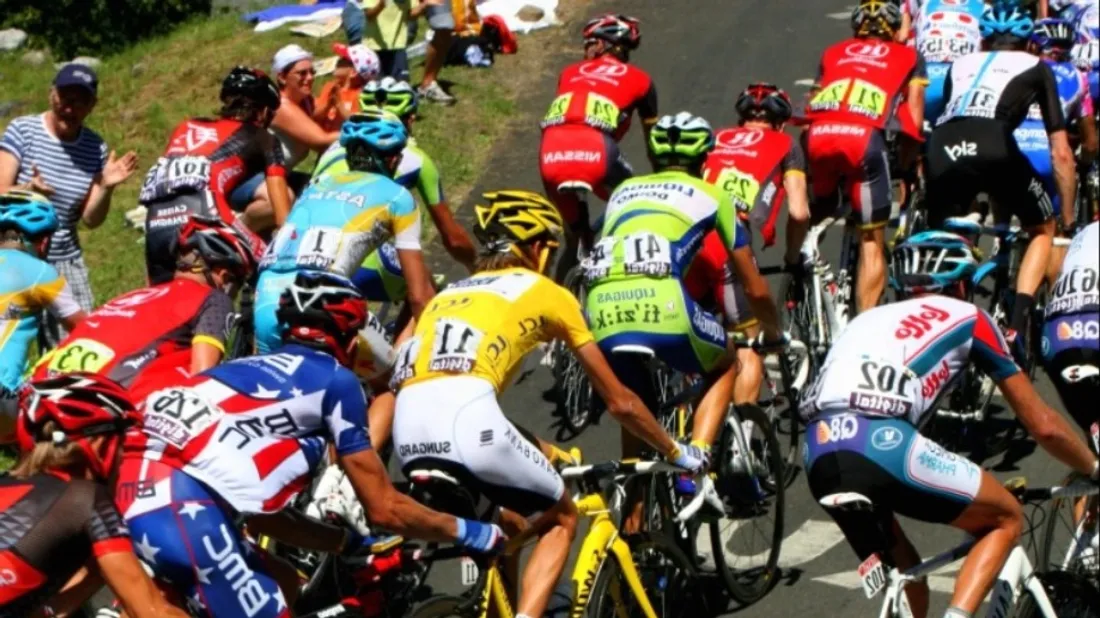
<point x="701" y="54"/>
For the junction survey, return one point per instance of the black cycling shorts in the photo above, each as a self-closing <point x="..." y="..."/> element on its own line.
<point x="969" y="156"/>
<point x="163" y="221"/>
<point x="1079" y="398"/>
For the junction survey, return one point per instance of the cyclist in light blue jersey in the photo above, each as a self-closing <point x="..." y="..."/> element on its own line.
<point x="27" y="286"/>
<point x="342" y="217"/>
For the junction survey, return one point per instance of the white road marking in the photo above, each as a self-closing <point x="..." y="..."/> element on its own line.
<point x="940" y="580"/>
<point x="839" y="15"/>
<point x="810" y="541"/>
<point x="805" y="82"/>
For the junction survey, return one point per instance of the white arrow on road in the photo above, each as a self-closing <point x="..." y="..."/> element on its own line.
<point x="841" y="15"/>
<point x="940" y="580"/>
<point x="810" y="541"/>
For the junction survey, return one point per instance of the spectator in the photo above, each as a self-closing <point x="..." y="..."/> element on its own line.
<point x="297" y="123"/>
<point x="356" y="65"/>
<point x="54" y="154"/>
<point x="441" y="20"/>
<point x="385" y="24"/>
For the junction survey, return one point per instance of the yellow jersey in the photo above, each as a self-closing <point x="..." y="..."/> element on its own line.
<point x="483" y="326"/>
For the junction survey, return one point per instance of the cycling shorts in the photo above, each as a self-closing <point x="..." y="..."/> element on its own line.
<point x="849" y="165"/>
<point x="1031" y="137"/>
<point x="579" y="153"/>
<point x="269" y="287"/>
<point x="1070" y="347"/>
<point x="933" y="93"/>
<point x="973" y="155"/>
<point x="188" y="537"/>
<point x="455" y="424"/>
<point x="888" y="461"/>
<point x="379" y="278"/>
<point x="658" y="314"/>
<point x="710" y="282"/>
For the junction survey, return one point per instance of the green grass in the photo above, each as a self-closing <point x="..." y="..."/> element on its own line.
<point x="146" y="90"/>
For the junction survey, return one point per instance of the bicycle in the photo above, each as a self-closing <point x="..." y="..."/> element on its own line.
<point x="1017" y="577"/>
<point x="1078" y="532"/>
<point x="612" y="576"/>
<point x="241" y="334"/>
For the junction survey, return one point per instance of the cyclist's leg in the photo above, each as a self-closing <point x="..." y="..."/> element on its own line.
<point x="571" y="153"/>
<point x="869" y="192"/>
<point x="952" y="181"/>
<point x="1031" y="137"/>
<point x="269" y="287"/>
<point x="380" y="278"/>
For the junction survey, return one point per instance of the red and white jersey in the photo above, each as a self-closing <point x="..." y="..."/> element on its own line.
<point x="897" y="360"/>
<point x="253" y="430"/>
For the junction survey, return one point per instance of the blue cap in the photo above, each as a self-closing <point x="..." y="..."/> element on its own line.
<point x="73" y="74"/>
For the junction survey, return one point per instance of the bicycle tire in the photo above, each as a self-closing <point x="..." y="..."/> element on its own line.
<point x="750" y="585"/>
<point x="443" y="606"/>
<point x="1071" y="595"/>
<point x="574" y="390"/>
<point x="792" y="419"/>
<point x="1048" y="545"/>
<point x="690" y="601"/>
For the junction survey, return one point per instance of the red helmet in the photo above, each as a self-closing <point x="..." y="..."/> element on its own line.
<point x="323" y="310"/>
<point x="218" y="244"/>
<point x="618" y="30"/>
<point x="764" y="101"/>
<point x="83" y="405"/>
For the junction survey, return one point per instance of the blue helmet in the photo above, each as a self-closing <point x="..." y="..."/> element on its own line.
<point x="28" y="212"/>
<point x="1053" y="33"/>
<point x="382" y="131"/>
<point x="1005" y="19"/>
<point x="932" y="262"/>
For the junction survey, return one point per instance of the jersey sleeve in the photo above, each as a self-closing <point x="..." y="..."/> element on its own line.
<point x="919" y="74"/>
<point x="106" y="529"/>
<point x="406" y="221"/>
<point x="647" y="102"/>
<point x="212" y="320"/>
<point x="272" y="152"/>
<point x="429" y="183"/>
<point x="344" y="412"/>
<point x="54" y="293"/>
<point x="733" y="235"/>
<point x="795" y="160"/>
<point x="989" y="350"/>
<point x="1049" y="101"/>
<point x="565" y="314"/>
<point x="14" y="141"/>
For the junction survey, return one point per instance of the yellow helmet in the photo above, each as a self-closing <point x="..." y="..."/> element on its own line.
<point x="880" y="17"/>
<point x="516" y="217"/>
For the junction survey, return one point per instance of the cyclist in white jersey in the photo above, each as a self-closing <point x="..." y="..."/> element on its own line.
<point x="972" y="149"/>
<point x="941" y="31"/>
<point x="884" y="373"/>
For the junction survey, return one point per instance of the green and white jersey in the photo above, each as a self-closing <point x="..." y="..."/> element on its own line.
<point x="415" y="170"/>
<point x="655" y="224"/>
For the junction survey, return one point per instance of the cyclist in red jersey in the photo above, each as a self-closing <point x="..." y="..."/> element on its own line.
<point x="759" y="166"/>
<point x="57" y="517"/>
<point x="205" y="160"/>
<point x="867" y="85"/>
<point x="167" y="332"/>
<point x="596" y="98"/>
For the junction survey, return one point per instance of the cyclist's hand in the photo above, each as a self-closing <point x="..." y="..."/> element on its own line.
<point x="480" y="536"/>
<point x="690" y="457"/>
<point x="796" y="277"/>
<point x="764" y="345"/>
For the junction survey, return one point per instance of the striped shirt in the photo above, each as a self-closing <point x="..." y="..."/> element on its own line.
<point x="68" y="167"/>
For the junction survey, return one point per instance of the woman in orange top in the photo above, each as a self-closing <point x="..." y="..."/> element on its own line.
<point x="356" y="65"/>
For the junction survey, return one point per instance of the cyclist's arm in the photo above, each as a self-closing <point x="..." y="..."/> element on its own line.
<point x="406" y="239"/>
<point x="1086" y="125"/>
<point x="902" y="34"/>
<point x="798" y="201"/>
<point x="296" y="528"/>
<point x="1054" y="121"/>
<point x="455" y="239"/>
<point x="133" y="588"/>
<point x="9" y="170"/>
<point x="915" y="93"/>
<point x="743" y="264"/>
<point x="299" y="126"/>
<point x="57" y="297"/>
<point x="390" y="509"/>
<point x="73" y="594"/>
<point x="1042" y="9"/>
<point x="275" y="177"/>
<point x="208" y="340"/>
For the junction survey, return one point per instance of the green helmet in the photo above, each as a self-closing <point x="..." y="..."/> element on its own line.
<point x="392" y="95"/>
<point x="683" y="139"/>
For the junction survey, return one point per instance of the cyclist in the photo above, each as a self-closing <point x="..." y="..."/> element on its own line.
<point x="972" y="148"/>
<point x="169" y="331"/>
<point x="884" y="373"/>
<point x="653" y="230"/>
<point x="205" y="160"/>
<point x="28" y="284"/>
<point x="468" y="346"/>
<point x="57" y="516"/>
<point x="1052" y="41"/>
<point x="380" y="277"/>
<point x="759" y="166"/>
<point x="945" y="30"/>
<point x="243" y="439"/>
<point x="341" y="218"/>
<point x="596" y="98"/>
<point x="867" y="85"/>
<point x="1086" y="53"/>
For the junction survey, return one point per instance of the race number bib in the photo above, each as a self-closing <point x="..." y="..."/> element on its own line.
<point x="601" y="112"/>
<point x="558" y="107"/>
<point x="946" y="49"/>
<point x="319" y="247"/>
<point x="83" y="355"/>
<point x="1086" y="55"/>
<point x="979" y="103"/>
<point x="177" y="415"/>
<point x="830" y="97"/>
<point x="405" y="365"/>
<point x="1075" y="290"/>
<point x="882" y="388"/>
<point x="867" y="99"/>
<point x="646" y="254"/>
<point x="598" y="263"/>
<point x="741" y="187"/>
<point x="454" y="349"/>
<point x="171" y="175"/>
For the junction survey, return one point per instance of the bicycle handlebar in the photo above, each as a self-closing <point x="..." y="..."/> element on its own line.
<point x="1018" y="487"/>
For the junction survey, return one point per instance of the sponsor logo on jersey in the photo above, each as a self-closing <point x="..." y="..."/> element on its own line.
<point x="424" y="448"/>
<point x="886" y="438"/>
<point x="570" y="156"/>
<point x="645" y="313"/>
<point x="870" y="53"/>
<point x="737" y="139"/>
<point x="880" y="404"/>
<point x="838" y="129"/>
<point x="935" y="380"/>
<point x="962" y="149"/>
<point x="837" y="428"/>
<point x="917" y="325"/>
<point x="625" y="295"/>
<point x="1078" y="329"/>
<point x="705" y="323"/>
<point x="605" y="71"/>
<point x="231" y="564"/>
<point x="8" y="577"/>
<point x="225" y="175"/>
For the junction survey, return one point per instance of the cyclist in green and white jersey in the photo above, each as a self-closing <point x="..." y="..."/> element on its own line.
<point x="380" y="277"/>
<point x="653" y="228"/>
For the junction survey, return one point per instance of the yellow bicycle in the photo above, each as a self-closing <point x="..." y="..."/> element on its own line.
<point x="638" y="576"/>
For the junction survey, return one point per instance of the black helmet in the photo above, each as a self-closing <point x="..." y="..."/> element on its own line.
<point x="217" y="244"/>
<point x="252" y="84"/>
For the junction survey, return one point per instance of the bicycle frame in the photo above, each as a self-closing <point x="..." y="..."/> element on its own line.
<point x="834" y="314"/>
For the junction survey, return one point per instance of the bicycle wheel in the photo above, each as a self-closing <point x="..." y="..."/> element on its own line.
<point x="1062" y="546"/>
<point x="785" y="421"/>
<point x="1071" y="595"/>
<point x="671" y="583"/>
<point x="747" y="540"/>
<point x="445" y="606"/>
<point x="574" y="390"/>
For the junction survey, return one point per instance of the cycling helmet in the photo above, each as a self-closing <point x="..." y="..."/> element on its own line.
<point x="83" y="405"/>
<point x="880" y="17"/>
<point x="683" y="139"/>
<point x="218" y="244"/>
<point x="932" y="262"/>
<point x="761" y="101"/>
<point x="1005" y="19"/>
<point x="1053" y="34"/>
<point x="514" y="217"/>
<point x="618" y="30"/>
<point x="392" y="95"/>
<point x="30" y="213"/>
<point x="252" y="84"/>
<point x="324" y="311"/>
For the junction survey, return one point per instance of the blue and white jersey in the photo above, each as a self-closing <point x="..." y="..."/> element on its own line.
<point x="947" y="29"/>
<point x="254" y="429"/>
<point x="897" y="360"/>
<point x="1076" y="290"/>
<point x="1073" y="92"/>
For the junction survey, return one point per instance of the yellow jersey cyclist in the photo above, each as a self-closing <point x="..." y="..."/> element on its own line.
<point x="380" y="277"/>
<point x="27" y="285"/>
<point x="653" y="229"/>
<point x="342" y="217"/>
<point x="467" y="347"/>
